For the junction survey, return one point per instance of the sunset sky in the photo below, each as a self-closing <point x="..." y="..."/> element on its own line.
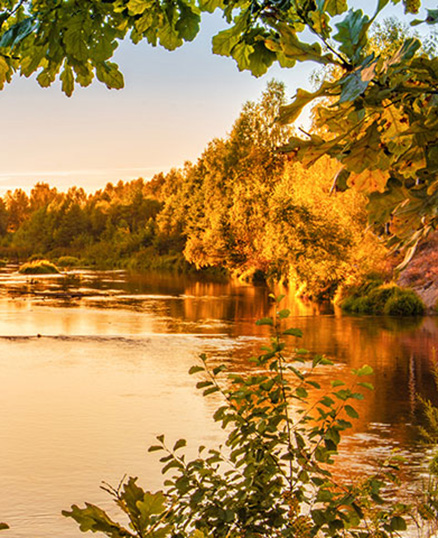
<point x="171" y="106"/>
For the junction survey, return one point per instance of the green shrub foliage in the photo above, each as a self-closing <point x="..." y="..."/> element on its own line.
<point x="38" y="267"/>
<point x="404" y="303"/>
<point x="272" y="476"/>
<point x="386" y="299"/>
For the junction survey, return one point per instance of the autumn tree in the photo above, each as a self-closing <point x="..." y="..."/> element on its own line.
<point x="381" y="125"/>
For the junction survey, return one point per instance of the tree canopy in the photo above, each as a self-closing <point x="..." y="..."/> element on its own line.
<point x="378" y="116"/>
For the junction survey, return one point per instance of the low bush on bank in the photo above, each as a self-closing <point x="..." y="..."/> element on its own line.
<point x="388" y="299"/>
<point x="38" y="267"/>
<point x="68" y="261"/>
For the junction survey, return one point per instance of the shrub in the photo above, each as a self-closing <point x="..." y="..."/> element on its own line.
<point x="386" y="299"/>
<point x="272" y="478"/>
<point x="379" y="296"/>
<point x="68" y="261"/>
<point x="358" y="305"/>
<point x="404" y="303"/>
<point x="38" y="267"/>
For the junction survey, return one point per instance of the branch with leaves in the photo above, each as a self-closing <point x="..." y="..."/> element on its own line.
<point x="271" y="477"/>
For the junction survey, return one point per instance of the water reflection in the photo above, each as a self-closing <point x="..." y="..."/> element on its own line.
<point x="94" y="364"/>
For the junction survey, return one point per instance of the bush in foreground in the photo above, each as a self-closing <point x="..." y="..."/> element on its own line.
<point x="272" y="477"/>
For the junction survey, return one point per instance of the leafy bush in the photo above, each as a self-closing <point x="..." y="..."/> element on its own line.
<point x="272" y="477"/>
<point x="358" y="305"/>
<point x="404" y="303"/>
<point x="38" y="267"/>
<point x="386" y="299"/>
<point x="68" y="261"/>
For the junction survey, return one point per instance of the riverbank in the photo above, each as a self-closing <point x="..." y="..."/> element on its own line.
<point x="421" y="275"/>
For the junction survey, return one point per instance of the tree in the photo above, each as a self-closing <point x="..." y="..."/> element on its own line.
<point x="382" y="122"/>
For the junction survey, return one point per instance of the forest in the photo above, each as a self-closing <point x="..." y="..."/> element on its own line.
<point x="242" y="209"/>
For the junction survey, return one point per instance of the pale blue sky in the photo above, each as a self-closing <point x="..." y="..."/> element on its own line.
<point x="171" y="106"/>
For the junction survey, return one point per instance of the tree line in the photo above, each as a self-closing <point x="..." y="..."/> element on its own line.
<point x="242" y="208"/>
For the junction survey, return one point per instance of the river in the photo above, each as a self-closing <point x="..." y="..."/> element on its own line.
<point x="93" y="365"/>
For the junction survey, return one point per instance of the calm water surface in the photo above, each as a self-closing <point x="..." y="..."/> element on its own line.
<point x="94" y="365"/>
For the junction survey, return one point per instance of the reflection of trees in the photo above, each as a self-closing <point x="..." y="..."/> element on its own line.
<point x="398" y="350"/>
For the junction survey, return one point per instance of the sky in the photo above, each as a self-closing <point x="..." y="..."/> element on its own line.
<point x="172" y="105"/>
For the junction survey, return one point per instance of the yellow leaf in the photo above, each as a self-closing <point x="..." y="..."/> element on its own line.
<point x="369" y="180"/>
<point x="4" y="68"/>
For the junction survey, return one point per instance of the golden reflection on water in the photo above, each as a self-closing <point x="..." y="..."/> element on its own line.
<point x="94" y="366"/>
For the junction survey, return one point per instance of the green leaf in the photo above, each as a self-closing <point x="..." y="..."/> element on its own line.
<point x="283" y="314"/>
<point x="109" y="74"/>
<point x="432" y="16"/>
<point x="137" y="7"/>
<point x="169" y="37"/>
<point x="45" y="78"/>
<point x="17" y="32"/>
<point x="301" y="392"/>
<point x="179" y="444"/>
<point x="211" y="390"/>
<point x="152" y="504"/>
<point x="67" y="79"/>
<point x="226" y="40"/>
<point x="381" y="205"/>
<point x="155" y="448"/>
<point x="398" y="524"/>
<point x="324" y="495"/>
<point x="336" y="7"/>
<point x="260" y="59"/>
<point x="92" y="518"/>
<point x="351" y="412"/>
<point x="75" y="40"/>
<point x="357" y="82"/>
<point x="265" y="321"/>
<point x="196" y="369"/>
<point x="203" y="384"/>
<point x="290" y="113"/>
<point x="352" y="34"/>
<point x="320" y="359"/>
<point x="327" y="402"/>
<point x="4" y="70"/>
<point x="364" y="370"/>
<point x="320" y="23"/>
<point x="337" y="383"/>
<point x="294" y="332"/>
<point x="173" y="464"/>
<point x="211" y="5"/>
<point x="363" y="158"/>
<point x="314" y="384"/>
<point x="294" y="49"/>
<point x="368" y="386"/>
<point x="188" y="23"/>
